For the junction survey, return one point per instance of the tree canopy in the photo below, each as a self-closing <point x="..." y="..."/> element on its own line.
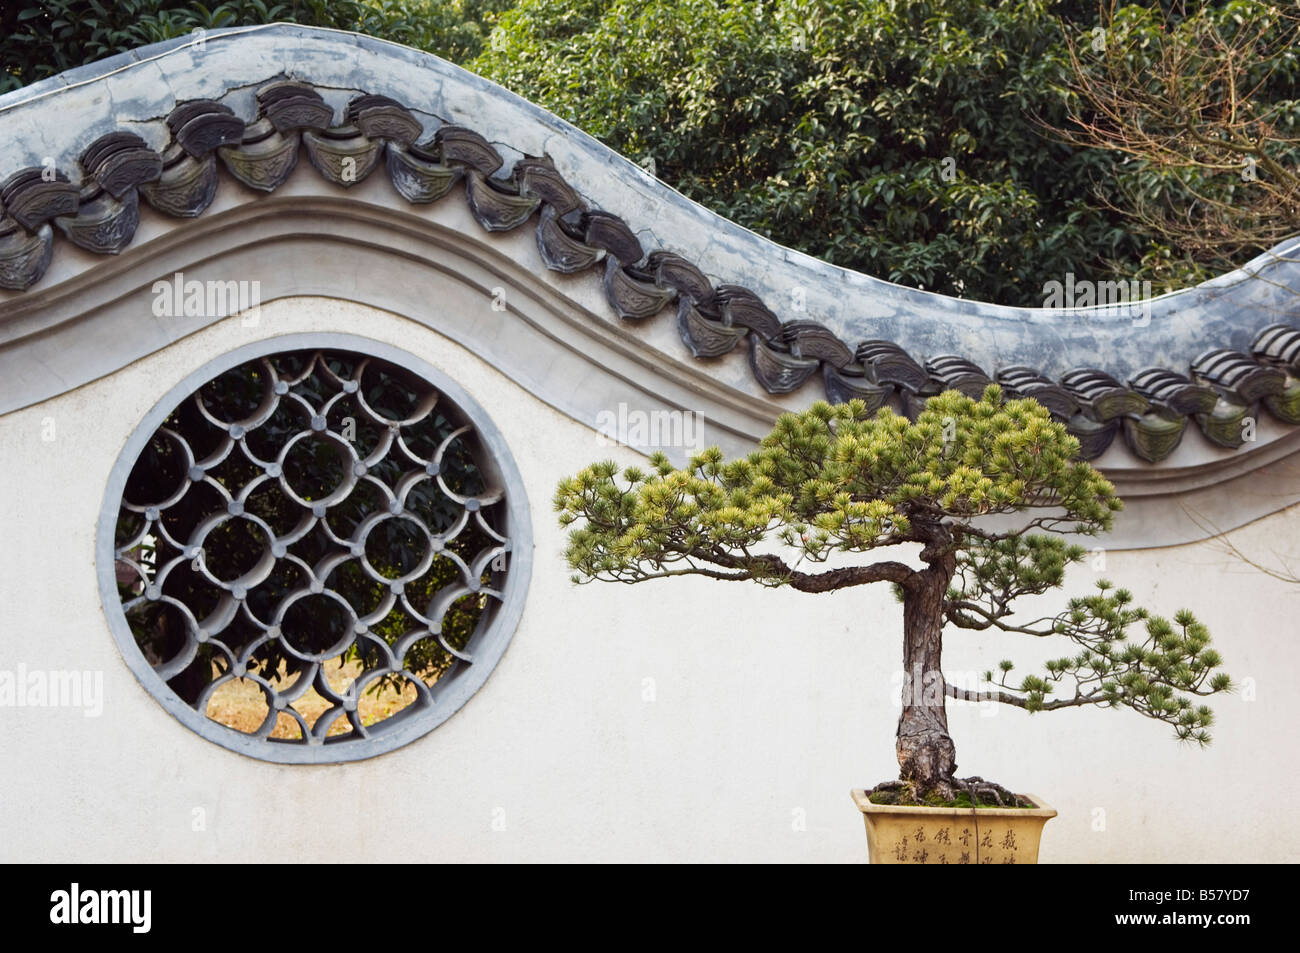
<point x="40" y="39"/>
<point x="833" y="480"/>
<point x="955" y="145"/>
<point x="1203" y="101"/>
<point x="904" y="140"/>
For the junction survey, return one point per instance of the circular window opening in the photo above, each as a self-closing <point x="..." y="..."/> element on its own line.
<point x="314" y="554"/>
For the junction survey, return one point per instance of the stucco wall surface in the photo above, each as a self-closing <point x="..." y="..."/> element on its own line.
<point x="681" y="720"/>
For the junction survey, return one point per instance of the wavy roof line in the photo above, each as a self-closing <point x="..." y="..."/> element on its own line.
<point x="1213" y="355"/>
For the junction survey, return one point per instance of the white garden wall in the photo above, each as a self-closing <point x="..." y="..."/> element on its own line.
<point x="677" y="720"/>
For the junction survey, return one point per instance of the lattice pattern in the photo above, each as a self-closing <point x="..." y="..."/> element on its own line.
<point x="307" y="514"/>
<point x="101" y="214"/>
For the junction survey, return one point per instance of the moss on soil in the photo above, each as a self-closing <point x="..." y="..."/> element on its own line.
<point x="905" y="799"/>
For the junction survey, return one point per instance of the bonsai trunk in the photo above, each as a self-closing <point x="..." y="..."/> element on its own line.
<point x="926" y="754"/>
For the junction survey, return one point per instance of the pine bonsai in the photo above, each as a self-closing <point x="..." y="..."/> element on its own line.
<point x="982" y="492"/>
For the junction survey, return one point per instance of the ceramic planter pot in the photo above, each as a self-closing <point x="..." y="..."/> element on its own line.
<point x="953" y="835"/>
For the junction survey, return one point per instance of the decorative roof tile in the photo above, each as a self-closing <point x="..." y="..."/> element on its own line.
<point x="201" y="126"/>
<point x="292" y="107"/>
<point x="705" y="336"/>
<point x="1221" y="389"/>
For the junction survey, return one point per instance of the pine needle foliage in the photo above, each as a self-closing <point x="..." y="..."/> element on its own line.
<point x="990" y="488"/>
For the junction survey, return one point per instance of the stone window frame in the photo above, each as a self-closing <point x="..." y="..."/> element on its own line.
<point x="490" y="640"/>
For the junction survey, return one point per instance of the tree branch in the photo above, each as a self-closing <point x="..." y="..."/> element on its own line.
<point x="768" y="566"/>
<point x="962" y="694"/>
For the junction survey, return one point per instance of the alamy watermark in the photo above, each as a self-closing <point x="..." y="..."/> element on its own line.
<point x="38" y="688"/>
<point x="74" y="905"/>
<point x="179" y="298"/>
<point x="928" y="688"/>
<point x="1129" y="298"/>
<point x="650" y="429"/>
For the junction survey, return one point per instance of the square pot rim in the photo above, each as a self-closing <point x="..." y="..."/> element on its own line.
<point x="1043" y="810"/>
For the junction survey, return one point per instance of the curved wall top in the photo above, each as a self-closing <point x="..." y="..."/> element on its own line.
<point x="759" y="328"/>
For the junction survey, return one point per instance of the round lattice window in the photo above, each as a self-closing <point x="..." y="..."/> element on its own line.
<point x="314" y="553"/>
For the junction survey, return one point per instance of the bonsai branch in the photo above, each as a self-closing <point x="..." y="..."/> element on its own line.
<point x="1006" y="698"/>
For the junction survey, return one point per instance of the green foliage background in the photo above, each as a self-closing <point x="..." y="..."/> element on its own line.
<point x="900" y="138"/>
<point x="824" y="124"/>
<point x="40" y="39"/>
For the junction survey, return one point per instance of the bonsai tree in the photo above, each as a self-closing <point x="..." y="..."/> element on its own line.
<point x="981" y="493"/>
